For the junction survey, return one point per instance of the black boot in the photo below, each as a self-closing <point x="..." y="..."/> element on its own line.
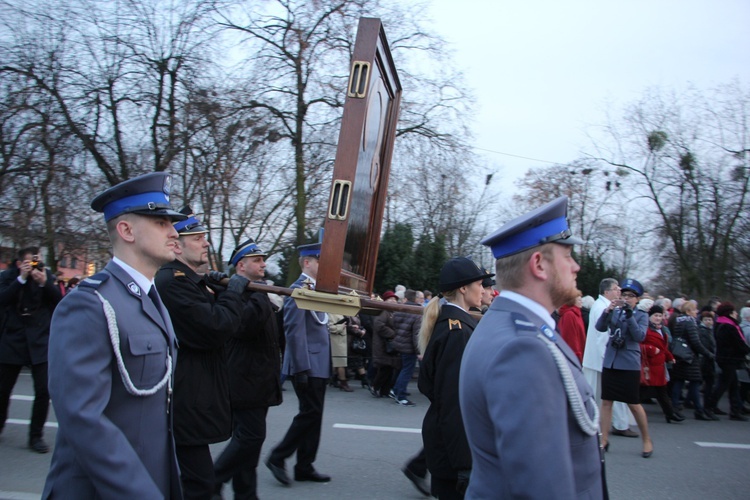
<point x="701" y="415"/>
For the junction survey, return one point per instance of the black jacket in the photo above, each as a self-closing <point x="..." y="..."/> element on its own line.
<point x="202" y="319"/>
<point x="406" y="325"/>
<point x="446" y="447"/>
<point x="254" y="355"/>
<point x="28" y="311"/>
<point x="685" y="327"/>
<point x="730" y="348"/>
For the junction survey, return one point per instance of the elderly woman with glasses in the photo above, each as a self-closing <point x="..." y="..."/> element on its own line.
<point x="621" y="373"/>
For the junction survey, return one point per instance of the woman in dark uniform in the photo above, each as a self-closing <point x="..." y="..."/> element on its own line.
<point x="446" y="327"/>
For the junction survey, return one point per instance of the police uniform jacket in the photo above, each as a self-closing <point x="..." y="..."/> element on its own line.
<point x="28" y="311"/>
<point x="203" y="319"/>
<point x="111" y="443"/>
<point x="525" y="441"/>
<point x="686" y="328"/>
<point x="254" y="356"/>
<point x="632" y="329"/>
<point x="445" y="444"/>
<point x="308" y="347"/>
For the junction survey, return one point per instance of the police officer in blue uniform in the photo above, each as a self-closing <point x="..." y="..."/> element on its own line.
<point x="530" y="417"/>
<point x="307" y="361"/>
<point x="111" y="353"/>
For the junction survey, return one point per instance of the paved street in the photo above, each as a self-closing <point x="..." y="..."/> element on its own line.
<point x="366" y="440"/>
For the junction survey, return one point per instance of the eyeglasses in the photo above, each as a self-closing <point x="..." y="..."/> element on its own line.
<point x="628" y="295"/>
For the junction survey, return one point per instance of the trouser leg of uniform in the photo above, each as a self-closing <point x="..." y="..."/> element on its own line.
<point x="8" y="377"/>
<point x="418" y="464"/>
<point x="303" y="435"/>
<point x="40" y="409"/>
<point x="445" y="489"/>
<point x="239" y="459"/>
<point x="196" y="471"/>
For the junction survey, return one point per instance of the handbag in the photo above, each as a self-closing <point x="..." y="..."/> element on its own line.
<point x="359" y="344"/>
<point x="681" y="350"/>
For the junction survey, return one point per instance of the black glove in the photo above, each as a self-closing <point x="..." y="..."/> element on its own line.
<point x="628" y="312"/>
<point x="237" y="283"/>
<point x="463" y="481"/>
<point x="300" y="380"/>
<point x="216" y="276"/>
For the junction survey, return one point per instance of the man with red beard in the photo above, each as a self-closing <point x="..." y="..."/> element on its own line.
<point x="530" y="416"/>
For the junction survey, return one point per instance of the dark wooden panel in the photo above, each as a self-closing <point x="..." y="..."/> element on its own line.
<point x="362" y="166"/>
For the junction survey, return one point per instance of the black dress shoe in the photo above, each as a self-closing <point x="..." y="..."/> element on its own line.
<point x="734" y="416"/>
<point x="314" y="476"/>
<point x="419" y="482"/>
<point x="710" y="414"/>
<point x="279" y="472"/>
<point x="39" y="446"/>
<point x="717" y="411"/>
<point x="699" y="415"/>
<point x="626" y="433"/>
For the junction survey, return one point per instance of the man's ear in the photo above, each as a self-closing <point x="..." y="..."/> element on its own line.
<point x="125" y="230"/>
<point x="538" y="266"/>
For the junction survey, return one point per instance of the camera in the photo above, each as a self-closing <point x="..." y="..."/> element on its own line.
<point x="36" y="263"/>
<point x="617" y="342"/>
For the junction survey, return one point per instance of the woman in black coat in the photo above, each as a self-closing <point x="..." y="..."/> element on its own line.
<point x="446" y="327"/>
<point x="731" y="349"/>
<point x="686" y="329"/>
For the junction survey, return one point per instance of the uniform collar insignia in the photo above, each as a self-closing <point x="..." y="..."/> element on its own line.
<point x="134" y="288"/>
<point x="548" y="332"/>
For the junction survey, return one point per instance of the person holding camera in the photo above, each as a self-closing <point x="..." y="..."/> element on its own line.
<point x="621" y="372"/>
<point x="29" y="295"/>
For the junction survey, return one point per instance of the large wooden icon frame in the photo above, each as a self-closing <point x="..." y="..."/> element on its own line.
<point x="363" y="160"/>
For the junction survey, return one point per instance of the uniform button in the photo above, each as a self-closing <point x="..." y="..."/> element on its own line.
<point x="148" y="346"/>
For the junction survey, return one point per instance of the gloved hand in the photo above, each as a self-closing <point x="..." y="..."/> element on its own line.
<point x="628" y="312"/>
<point x="463" y="481"/>
<point x="300" y="380"/>
<point x="216" y="276"/>
<point x="237" y="283"/>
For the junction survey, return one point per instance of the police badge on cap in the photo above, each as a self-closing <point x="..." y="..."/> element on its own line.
<point x="546" y="224"/>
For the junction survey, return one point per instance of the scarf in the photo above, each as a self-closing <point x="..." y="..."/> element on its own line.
<point x="728" y="321"/>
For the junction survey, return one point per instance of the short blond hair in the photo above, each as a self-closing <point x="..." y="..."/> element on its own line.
<point x="509" y="270"/>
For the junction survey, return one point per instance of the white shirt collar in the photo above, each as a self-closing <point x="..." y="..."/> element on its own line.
<point x="529" y="304"/>
<point x="448" y="303"/>
<point x="310" y="278"/>
<point x="139" y="278"/>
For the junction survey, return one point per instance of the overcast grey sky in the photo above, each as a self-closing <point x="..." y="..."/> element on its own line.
<point x="544" y="71"/>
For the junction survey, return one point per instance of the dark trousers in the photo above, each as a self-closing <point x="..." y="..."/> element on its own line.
<point x="445" y="489"/>
<point x="693" y="393"/>
<point x="8" y="377"/>
<point x="727" y="381"/>
<point x="418" y="464"/>
<point x="662" y="396"/>
<point x="303" y="435"/>
<point x="239" y="459"/>
<point x="383" y="381"/>
<point x="196" y="471"/>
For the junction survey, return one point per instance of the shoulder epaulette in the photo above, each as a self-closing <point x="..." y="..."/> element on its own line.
<point x="454" y="324"/>
<point x="522" y="322"/>
<point x="178" y="273"/>
<point x="94" y="281"/>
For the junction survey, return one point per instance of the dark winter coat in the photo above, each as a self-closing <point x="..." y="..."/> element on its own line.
<point x="202" y="319"/>
<point x="446" y="447"/>
<point x="28" y="312"/>
<point x="730" y="348"/>
<point x="383" y="332"/>
<point x="686" y="328"/>
<point x="254" y="355"/>
<point x="406" y="326"/>
<point x="706" y="336"/>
